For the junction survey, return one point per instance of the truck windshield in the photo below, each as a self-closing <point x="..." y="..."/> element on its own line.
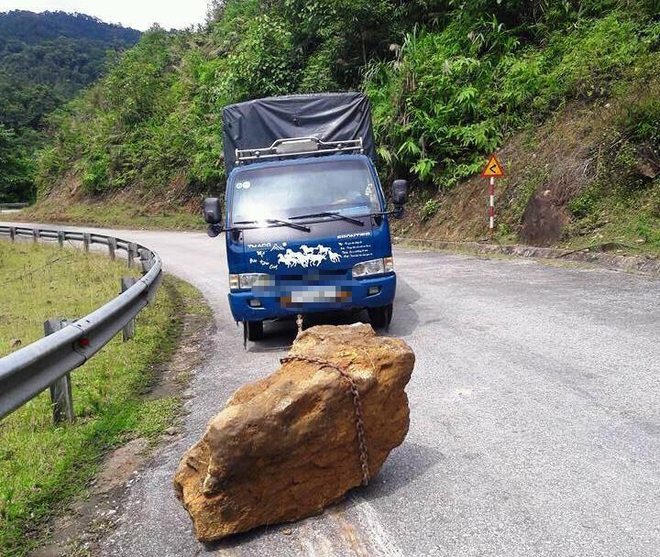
<point x="344" y="187"/>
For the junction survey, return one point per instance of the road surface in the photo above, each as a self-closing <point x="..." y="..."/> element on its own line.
<point x="535" y="417"/>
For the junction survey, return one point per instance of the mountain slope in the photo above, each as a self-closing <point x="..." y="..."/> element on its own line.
<point x="449" y="82"/>
<point x="45" y="59"/>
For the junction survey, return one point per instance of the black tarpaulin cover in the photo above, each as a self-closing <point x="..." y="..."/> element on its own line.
<point x="327" y="116"/>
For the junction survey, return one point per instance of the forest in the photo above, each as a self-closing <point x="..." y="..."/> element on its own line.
<point x="449" y="80"/>
<point x="45" y="59"/>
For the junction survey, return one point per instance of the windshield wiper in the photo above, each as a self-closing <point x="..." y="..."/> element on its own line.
<point x="277" y="222"/>
<point x="287" y="223"/>
<point x="329" y="214"/>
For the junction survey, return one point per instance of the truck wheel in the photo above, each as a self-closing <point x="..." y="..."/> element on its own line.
<point x="380" y="317"/>
<point x="254" y="330"/>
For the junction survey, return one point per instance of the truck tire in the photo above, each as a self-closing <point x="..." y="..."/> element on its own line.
<point x="380" y="317"/>
<point x="254" y="329"/>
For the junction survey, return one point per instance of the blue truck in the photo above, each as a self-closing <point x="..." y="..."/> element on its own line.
<point x="306" y="223"/>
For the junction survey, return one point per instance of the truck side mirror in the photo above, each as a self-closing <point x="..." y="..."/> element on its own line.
<point x="400" y="192"/>
<point x="212" y="210"/>
<point x="213" y="215"/>
<point x="399" y="197"/>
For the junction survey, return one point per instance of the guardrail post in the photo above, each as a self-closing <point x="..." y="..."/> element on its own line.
<point x="60" y="238"/>
<point x="131" y="251"/>
<point x="87" y="237"/>
<point x="60" y="391"/>
<point x="12" y="233"/>
<point x="35" y="235"/>
<point x="112" y="247"/>
<point x="146" y="258"/>
<point x="128" y="332"/>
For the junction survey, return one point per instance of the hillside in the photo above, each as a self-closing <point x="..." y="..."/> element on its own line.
<point x="45" y="59"/>
<point x="567" y="90"/>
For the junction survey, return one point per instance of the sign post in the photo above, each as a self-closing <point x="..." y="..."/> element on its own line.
<point x="492" y="170"/>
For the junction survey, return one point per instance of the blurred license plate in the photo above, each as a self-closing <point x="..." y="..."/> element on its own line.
<point x="315" y="295"/>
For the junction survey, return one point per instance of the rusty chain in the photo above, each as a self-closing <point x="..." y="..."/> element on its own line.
<point x="357" y="406"/>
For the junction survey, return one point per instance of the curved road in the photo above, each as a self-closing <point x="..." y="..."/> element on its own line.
<point x="535" y="417"/>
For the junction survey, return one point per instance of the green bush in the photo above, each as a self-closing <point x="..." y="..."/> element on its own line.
<point x="260" y="64"/>
<point x="583" y="205"/>
<point x="95" y="174"/>
<point x="430" y="209"/>
<point x="641" y="121"/>
<point x="451" y="96"/>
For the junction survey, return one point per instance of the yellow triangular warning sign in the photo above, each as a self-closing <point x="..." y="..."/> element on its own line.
<point x="493" y="168"/>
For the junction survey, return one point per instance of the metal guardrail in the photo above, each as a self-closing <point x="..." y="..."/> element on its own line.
<point x="12" y="206"/>
<point x="29" y="371"/>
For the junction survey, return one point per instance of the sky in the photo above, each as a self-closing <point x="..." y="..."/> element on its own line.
<point x="138" y="14"/>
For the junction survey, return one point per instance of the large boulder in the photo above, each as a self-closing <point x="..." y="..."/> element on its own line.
<point x="287" y="446"/>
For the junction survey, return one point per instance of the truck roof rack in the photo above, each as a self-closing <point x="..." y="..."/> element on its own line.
<point x="297" y="147"/>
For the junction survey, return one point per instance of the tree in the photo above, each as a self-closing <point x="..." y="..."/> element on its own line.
<point x="15" y="169"/>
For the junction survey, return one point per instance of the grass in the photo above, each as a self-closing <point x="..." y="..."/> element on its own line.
<point x="40" y="282"/>
<point x="110" y="214"/>
<point x="626" y="232"/>
<point x="621" y="207"/>
<point x="42" y="466"/>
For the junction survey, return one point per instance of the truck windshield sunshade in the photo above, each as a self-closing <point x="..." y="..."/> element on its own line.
<point x="329" y="117"/>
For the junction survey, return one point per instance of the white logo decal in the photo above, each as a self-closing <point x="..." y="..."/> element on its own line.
<point x="308" y="256"/>
<point x="277" y="247"/>
<point x="355" y="235"/>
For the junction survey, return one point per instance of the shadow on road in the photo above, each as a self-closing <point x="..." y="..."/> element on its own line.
<point x="405" y="319"/>
<point x="406" y="464"/>
<point x="243" y="539"/>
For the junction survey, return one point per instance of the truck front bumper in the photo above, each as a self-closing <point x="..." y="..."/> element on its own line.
<point x="290" y="300"/>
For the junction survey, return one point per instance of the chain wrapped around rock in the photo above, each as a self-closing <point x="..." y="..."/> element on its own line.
<point x="359" y="423"/>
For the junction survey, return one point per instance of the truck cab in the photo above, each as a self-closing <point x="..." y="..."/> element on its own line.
<point x="307" y="230"/>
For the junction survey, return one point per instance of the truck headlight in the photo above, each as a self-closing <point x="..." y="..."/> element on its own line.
<point x="248" y="280"/>
<point x="373" y="267"/>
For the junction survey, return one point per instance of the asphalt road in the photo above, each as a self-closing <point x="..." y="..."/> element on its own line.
<point x="535" y="417"/>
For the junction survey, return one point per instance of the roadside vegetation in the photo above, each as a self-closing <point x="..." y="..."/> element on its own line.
<point x="113" y="214"/>
<point x="450" y="81"/>
<point x="43" y="466"/>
